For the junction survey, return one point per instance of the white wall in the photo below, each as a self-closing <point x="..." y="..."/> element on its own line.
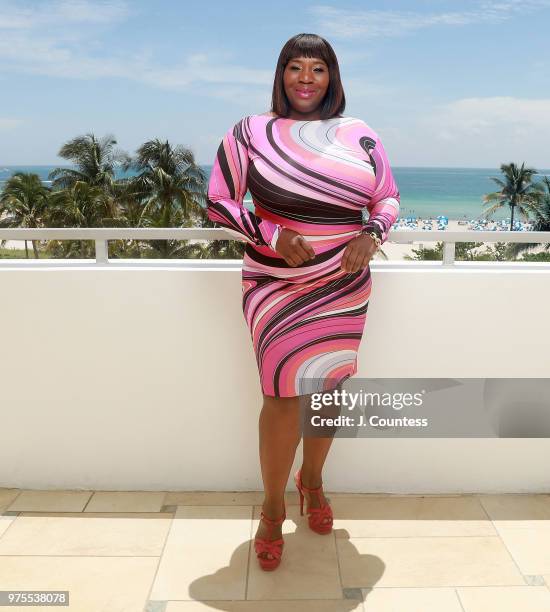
<point x="142" y="377"/>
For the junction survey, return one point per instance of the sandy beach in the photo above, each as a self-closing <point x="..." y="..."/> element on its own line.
<point x="396" y="251"/>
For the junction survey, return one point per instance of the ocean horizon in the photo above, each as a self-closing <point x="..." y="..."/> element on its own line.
<point x="425" y="192"/>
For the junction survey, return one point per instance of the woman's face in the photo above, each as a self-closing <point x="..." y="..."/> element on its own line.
<point x="306" y="82"/>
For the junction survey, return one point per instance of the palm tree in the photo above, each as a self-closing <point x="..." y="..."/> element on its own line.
<point x="24" y="201"/>
<point x="80" y="205"/>
<point x="95" y="161"/>
<point x="517" y="191"/>
<point x="541" y="222"/>
<point x="127" y="214"/>
<point x="171" y="188"/>
<point x="85" y="196"/>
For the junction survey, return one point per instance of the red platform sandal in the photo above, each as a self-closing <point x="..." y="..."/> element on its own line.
<point x="320" y="519"/>
<point x="266" y="545"/>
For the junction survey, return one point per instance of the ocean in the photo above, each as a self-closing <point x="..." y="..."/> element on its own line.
<point x="425" y="192"/>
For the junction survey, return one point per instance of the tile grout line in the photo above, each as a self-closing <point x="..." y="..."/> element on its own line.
<point x="340" y="571"/>
<point x="407" y="537"/>
<point x="249" y="552"/>
<point x="49" y="511"/>
<point x="89" y="499"/>
<point x="11" y="523"/>
<point x="172" y="521"/>
<point x="445" y="586"/>
<point x="480" y="502"/>
<point x="6" y="509"/>
<point x="459" y="600"/>
<point x="85" y="556"/>
<point x="503" y="542"/>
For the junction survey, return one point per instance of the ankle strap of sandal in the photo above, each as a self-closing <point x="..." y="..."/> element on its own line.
<point x="311" y="490"/>
<point x="277" y="521"/>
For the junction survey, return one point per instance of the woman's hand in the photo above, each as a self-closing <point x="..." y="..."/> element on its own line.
<point x="358" y="253"/>
<point x="293" y="247"/>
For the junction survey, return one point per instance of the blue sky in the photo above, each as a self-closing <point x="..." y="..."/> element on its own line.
<point x="442" y="83"/>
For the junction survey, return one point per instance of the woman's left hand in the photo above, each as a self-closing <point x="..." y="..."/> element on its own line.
<point x="358" y="253"/>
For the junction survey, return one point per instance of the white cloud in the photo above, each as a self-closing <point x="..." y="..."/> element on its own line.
<point x="48" y="40"/>
<point x="66" y="12"/>
<point x="472" y="132"/>
<point x="479" y="116"/>
<point x="45" y="38"/>
<point x="202" y="68"/>
<point x="344" y="23"/>
<point x="8" y="124"/>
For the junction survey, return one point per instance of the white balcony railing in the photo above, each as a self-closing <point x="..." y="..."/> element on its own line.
<point x="101" y="237"/>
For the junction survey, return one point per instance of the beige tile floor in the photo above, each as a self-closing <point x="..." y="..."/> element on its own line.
<point x="132" y="551"/>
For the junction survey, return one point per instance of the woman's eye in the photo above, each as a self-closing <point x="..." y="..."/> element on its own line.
<point x="298" y="68"/>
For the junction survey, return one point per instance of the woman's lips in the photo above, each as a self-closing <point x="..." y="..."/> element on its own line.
<point x="306" y="94"/>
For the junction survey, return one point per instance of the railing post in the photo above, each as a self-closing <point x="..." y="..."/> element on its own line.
<point x="448" y="253"/>
<point x="101" y="252"/>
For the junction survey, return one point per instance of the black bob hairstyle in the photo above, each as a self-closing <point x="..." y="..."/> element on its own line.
<point x="309" y="45"/>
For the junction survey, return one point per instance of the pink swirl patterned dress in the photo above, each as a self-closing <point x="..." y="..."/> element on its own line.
<point x="314" y="177"/>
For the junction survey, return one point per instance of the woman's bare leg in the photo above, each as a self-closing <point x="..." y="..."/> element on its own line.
<point x="280" y="432"/>
<point x="315" y="451"/>
<point x="279" y="427"/>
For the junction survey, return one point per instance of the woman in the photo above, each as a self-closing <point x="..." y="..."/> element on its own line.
<point x="305" y="277"/>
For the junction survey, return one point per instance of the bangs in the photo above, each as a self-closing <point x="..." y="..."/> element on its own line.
<point x="307" y="45"/>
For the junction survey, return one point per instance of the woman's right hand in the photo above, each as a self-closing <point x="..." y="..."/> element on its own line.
<point x="294" y="248"/>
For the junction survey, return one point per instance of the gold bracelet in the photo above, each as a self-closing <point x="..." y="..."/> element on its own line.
<point x="375" y="238"/>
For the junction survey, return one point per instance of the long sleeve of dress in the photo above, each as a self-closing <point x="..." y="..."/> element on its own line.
<point x="227" y="187"/>
<point x="384" y="205"/>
